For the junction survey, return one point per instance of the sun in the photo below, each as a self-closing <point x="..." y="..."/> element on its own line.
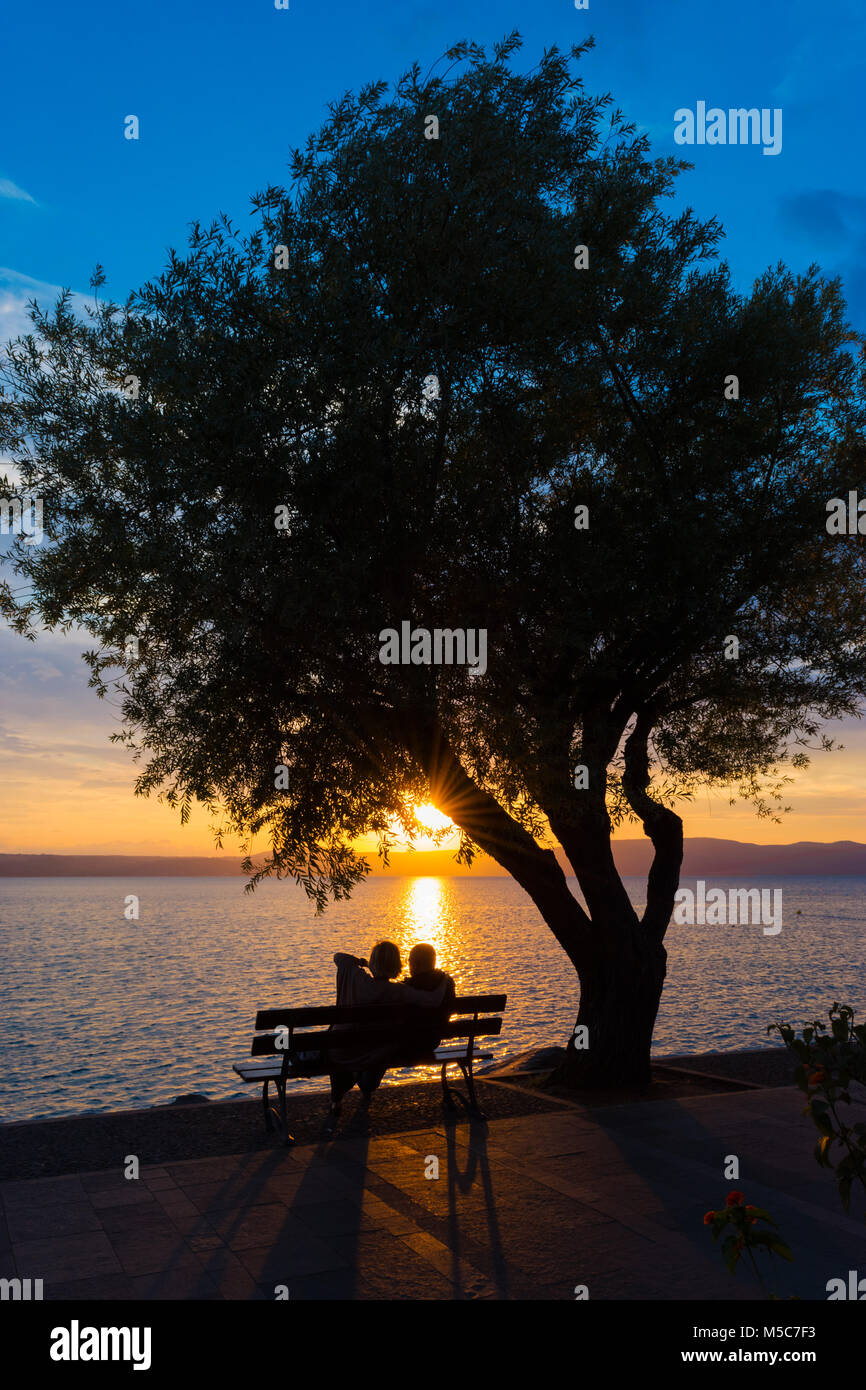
<point x="431" y="819"/>
<point x="434" y="823"/>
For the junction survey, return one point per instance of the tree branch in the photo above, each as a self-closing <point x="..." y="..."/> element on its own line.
<point x="580" y="821"/>
<point x="663" y="826"/>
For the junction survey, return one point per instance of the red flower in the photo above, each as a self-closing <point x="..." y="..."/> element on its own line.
<point x="709" y="1218"/>
<point x="733" y="1199"/>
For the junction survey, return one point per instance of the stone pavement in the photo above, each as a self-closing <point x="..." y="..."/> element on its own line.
<point x="526" y="1207"/>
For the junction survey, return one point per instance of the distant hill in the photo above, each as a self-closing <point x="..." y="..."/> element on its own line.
<point x="727" y="858"/>
<point x="114" y="865"/>
<point x="703" y="858"/>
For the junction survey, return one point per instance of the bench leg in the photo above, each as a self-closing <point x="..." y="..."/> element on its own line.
<point x="282" y="1124"/>
<point x="447" y="1093"/>
<point x="284" y="1121"/>
<point x="466" y="1068"/>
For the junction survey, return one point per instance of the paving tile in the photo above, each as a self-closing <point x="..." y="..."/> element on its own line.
<point x="62" y="1258"/>
<point x="142" y="1216"/>
<point x="176" y="1205"/>
<point x="468" y="1282"/>
<point x="35" y="1223"/>
<point x="427" y="1141"/>
<point x="618" y="1193"/>
<point x="202" y="1241"/>
<point x="130" y="1195"/>
<point x="411" y="1169"/>
<point x="547" y="1138"/>
<point x="107" y="1177"/>
<point x="246" y="1187"/>
<point x="683" y="1219"/>
<point x="385" y="1216"/>
<point x="387" y="1268"/>
<point x="295" y="1254"/>
<point x="363" y="1148"/>
<point x="218" y="1196"/>
<point x="228" y="1275"/>
<point x="305" y="1155"/>
<point x="328" y="1184"/>
<point x="462" y="1195"/>
<point x="195" y="1171"/>
<point x="188" y="1223"/>
<point x="159" y="1183"/>
<point x="41" y="1192"/>
<point x="583" y="1210"/>
<point x="313" y="1187"/>
<point x="247" y="1228"/>
<point x="533" y="1241"/>
<point x="186" y="1282"/>
<point x="337" y="1218"/>
<point x="100" y="1287"/>
<point x="147" y="1252"/>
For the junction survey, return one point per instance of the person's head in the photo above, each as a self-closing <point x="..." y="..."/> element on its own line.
<point x="385" y="963"/>
<point x="421" y="959"/>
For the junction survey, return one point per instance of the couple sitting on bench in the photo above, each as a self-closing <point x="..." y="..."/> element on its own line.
<point x="427" y="988"/>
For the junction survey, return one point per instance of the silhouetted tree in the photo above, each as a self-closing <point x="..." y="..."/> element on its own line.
<point x="409" y="355"/>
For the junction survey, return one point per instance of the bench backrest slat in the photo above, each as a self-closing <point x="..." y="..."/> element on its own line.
<point x="266" y="1044"/>
<point x="309" y="1017"/>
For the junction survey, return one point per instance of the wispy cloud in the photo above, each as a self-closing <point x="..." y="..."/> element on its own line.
<point x="16" y="291"/>
<point x="826" y="216"/>
<point x="8" y="189"/>
<point x="833" y="225"/>
<point x="12" y="742"/>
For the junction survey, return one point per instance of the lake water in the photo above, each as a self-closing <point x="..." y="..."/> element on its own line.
<point x="98" y="1013"/>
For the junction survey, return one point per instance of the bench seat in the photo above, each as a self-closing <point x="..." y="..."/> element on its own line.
<point x="272" y="1067"/>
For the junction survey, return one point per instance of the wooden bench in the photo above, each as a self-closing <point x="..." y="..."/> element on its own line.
<point x="290" y="1051"/>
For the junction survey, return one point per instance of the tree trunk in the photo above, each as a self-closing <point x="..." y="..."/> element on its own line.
<point x="620" y="990"/>
<point x="620" y="960"/>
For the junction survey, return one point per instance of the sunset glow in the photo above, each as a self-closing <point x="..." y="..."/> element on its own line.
<point x="433" y="821"/>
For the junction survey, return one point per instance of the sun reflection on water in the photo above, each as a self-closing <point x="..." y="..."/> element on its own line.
<point x="424" y="910"/>
<point x="427" y="914"/>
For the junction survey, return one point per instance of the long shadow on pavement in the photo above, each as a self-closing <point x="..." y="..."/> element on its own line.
<point x="462" y="1180"/>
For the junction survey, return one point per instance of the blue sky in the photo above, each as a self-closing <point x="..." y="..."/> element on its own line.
<point x="224" y="90"/>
